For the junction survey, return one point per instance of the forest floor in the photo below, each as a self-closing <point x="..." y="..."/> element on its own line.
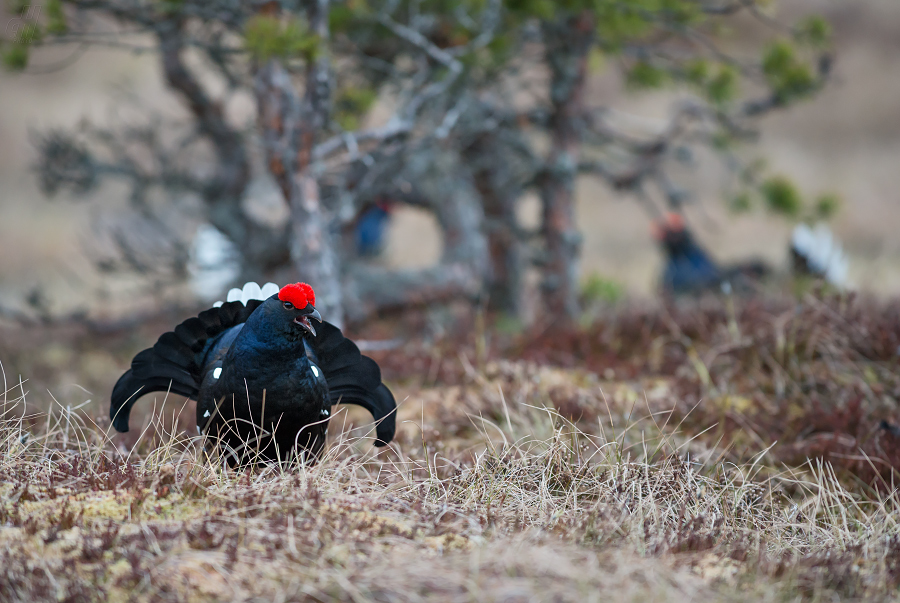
<point x="712" y="451"/>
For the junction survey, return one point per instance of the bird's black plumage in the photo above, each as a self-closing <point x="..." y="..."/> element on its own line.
<point x="690" y="269"/>
<point x="264" y="378"/>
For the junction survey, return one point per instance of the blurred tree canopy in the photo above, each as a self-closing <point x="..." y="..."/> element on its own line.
<point x="483" y="102"/>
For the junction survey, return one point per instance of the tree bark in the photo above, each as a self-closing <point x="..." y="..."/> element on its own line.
<point x="500" y="191"/>
<point x="444" y="188"/>
<point x="291" y="125"/>
<point x="567" y="45"/>
<point x="262" y="248"/>
<point x="506" y="274"/>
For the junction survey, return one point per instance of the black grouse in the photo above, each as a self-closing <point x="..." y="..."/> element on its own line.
<point x="263" y="375"/>
<point x="690" y="269"/>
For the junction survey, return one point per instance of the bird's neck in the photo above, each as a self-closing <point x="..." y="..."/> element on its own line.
<point x="687" y="249"/>
<point x="265" y="347"/>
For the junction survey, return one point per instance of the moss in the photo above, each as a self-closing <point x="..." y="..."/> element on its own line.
<point x="448" y="542"/>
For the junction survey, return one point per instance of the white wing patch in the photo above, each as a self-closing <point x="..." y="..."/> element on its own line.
<point x="268" y="290"/>
<point x="217" y="373"/>
<point x="250" y="291"/>
<point x="314" y="369"/>
<point x="206" y="414"/>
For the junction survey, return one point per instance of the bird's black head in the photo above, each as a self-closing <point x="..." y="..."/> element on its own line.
<point x="672" y="235"/>
<point x="287" y="315"/>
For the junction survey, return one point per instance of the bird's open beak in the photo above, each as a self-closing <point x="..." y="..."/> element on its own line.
<point x="303" y="321"/>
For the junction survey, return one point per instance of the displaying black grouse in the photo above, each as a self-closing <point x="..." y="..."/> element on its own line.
<point x="690" y="269"/>
<point x="263" y="375"/>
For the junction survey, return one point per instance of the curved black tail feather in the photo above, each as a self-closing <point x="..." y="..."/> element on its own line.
<point x="174" y="363"/>
<point x="354" y="379"/>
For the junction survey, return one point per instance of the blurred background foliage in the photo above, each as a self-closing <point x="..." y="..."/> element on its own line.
<point x="475" y="142"/>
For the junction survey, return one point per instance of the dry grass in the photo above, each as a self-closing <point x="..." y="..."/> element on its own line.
<point x="510" y="480"/>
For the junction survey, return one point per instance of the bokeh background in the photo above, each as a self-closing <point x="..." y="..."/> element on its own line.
<point x="845" y="140"/>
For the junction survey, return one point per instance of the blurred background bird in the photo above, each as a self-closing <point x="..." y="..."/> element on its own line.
<point x="371" y="226"/>
<point x="690" y="269"/>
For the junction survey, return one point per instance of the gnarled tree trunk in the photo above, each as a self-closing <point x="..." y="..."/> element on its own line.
<point x="441" y="186"/>
<point x="567" y="44"/>
<point x="291" y="125"/>
<point x="262" y="247"/>
<point x="500" y="189"/>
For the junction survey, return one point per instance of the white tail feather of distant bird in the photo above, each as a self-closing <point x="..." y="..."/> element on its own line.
<point x="214" y="261"/>
<point x="823" y="255"/>
<point x="214" y="265"/>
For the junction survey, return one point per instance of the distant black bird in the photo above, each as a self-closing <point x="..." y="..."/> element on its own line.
<point x="690" y="269"/>
<point x="890" y="428"/>
<point x="263" y="375"/>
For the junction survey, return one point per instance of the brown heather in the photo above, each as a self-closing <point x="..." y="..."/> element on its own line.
<point x="711" y="452"/>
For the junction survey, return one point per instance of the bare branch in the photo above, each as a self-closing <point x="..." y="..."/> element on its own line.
<point x="421" y="42"/>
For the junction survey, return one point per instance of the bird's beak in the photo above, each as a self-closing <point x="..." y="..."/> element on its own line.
<point x="304" y="323"/>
